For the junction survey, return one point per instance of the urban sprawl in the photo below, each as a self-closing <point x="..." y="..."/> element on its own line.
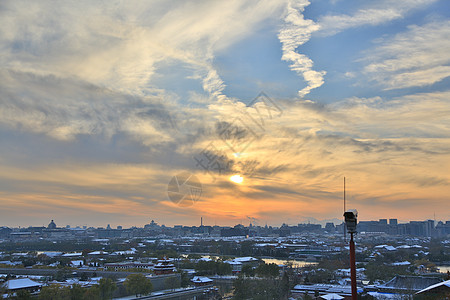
<point x="307" y="261"/>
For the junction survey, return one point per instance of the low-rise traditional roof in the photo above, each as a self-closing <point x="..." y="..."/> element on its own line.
<point x="201" y="279"/>
<point x="437" y="288"/>
<point x="22" y="283"/>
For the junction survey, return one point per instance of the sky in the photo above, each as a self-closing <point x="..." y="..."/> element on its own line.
<point x="123" y="112"/>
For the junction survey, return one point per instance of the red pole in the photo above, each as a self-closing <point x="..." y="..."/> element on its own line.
<point x="353" y="268"/>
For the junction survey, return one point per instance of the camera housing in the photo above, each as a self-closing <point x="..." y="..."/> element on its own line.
<point x="351" y="220"/>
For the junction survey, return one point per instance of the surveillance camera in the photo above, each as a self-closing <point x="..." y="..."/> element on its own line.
<point x="351" y="219"/>
<point x="351" y="214"/>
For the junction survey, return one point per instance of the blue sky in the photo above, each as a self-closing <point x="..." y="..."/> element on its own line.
<point x="101" y="104"/>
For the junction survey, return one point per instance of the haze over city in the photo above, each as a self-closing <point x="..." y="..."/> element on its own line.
<point x="264" y="105"/>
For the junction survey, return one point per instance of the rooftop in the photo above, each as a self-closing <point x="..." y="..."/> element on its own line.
<point x="15" y="284"/>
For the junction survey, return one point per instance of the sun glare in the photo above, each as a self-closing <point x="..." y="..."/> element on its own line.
<point x="237" y="178"/>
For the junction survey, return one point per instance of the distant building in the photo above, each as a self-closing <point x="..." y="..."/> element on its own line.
<point x="163" y="267"/>
<point x="402" y="284"/>
<point x="237" y="230"/>
<point x="393" y="222"/>
<point x="248" y="260"/>
<point x="239" y="262"/>
<point x="52" y="225"/>
<point x="329" y="227"/>
<point x="421" y="228"/>
<point x="15" y="285"/>
<point x="129" y="265"/>
<point x="301" y="290"/>
<point x="152" y="225"/>
<point x="201" y="281"/>
<point x="439" y="290"/>
<point x="236" y="267"/>
<point x="5" y="232"/>
<point x="76" y="263"/>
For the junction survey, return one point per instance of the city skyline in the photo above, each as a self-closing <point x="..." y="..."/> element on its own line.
<point x="364" y="229"/>
<point x="206" y="223"/>
<point x="237" y="111"/>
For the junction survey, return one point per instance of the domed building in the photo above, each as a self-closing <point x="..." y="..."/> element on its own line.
<point x="52" y="225"/>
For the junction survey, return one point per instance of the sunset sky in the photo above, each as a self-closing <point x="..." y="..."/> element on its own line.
<point x="103" y="102"/>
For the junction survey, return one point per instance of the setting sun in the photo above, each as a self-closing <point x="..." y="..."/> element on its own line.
<point x="237" y="178"/>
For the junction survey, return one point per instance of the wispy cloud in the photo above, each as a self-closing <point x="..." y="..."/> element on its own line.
<point x="66" y="108"/>
<point x="295" y="33"/>
<point x="120" y="46"/>
<point x="375" y="13"/>
<point x="415" y="58"/>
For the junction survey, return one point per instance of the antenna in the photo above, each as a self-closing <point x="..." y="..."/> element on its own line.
<point x="345" y="234"/>
<point x="344" y="193"/>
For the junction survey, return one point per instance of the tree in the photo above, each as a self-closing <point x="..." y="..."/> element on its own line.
<point x="212" y="268"/>
<point x="285" y="285"/>
<point x="194" y="256"/>
<point x="333" y="264"/>
<point x="138" y="284"/>
<point x="92" y="293"/>
<point x="2" y="289"/>
<point x="76" y="292"/>
<point x="248" y="270"/>
<point x="185" y="281"/>
<point x="107" y="288"/>
<point x="242" y="289"/>
<point x="28" y="262"/>
<point x="320" y="276"/>
<point x="22" y="295"/>
<point x="54" y="292"/>
<point x="268" y="270"/>
<point x="84" y="276"/>
<point x="379" y="271"/>
<point x="43" y="258"/>
<point x="258" y="289"/>
<point x="247" y="248"/>
<point x="62" y="274"/>
<point x="223" y="268"/>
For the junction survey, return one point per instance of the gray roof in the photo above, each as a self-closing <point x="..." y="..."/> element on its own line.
<point x="443" y="285"/>
<point x="410" y="283"/>
<point x="23" y="283"/>
<point x="325" y="288"/>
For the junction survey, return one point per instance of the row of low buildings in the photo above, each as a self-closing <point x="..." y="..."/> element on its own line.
<point x="52" y="232"/>
<point x="399" y="287"/>
<point x="160" y="267"/>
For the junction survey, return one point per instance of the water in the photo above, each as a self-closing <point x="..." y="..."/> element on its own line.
<point x="295" y="263"/>
<point x="443" y="269"/>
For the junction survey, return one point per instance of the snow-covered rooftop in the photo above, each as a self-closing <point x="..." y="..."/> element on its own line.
<point x="201" y="279"/>
<point x="15" y="284"/>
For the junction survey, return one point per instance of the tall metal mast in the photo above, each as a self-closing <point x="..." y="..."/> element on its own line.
<point x="345" y="227"/>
